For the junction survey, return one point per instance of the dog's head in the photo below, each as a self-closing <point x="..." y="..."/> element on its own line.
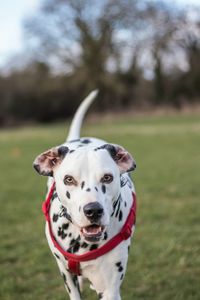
<point x="87" y="182"/>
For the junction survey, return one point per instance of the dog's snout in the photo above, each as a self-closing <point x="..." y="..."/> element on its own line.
<point x="93" y="211"/>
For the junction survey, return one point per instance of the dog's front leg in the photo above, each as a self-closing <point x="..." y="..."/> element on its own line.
<point x="70" y="281"/>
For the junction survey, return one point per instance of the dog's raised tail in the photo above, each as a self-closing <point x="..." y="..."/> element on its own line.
<point x="75" y="128"/>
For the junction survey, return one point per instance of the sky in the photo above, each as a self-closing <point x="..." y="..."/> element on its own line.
<point x="12" y="14"/>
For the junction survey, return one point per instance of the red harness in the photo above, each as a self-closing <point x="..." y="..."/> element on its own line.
<point x="73" y="259"/>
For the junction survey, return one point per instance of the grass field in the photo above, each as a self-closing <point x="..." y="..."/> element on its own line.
<point x="164" y="260"/>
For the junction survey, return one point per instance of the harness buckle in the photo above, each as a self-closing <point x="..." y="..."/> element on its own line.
<point x="74" y="266"/>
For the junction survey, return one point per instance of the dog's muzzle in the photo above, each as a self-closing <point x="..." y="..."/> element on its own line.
<point x="93" y="212"/>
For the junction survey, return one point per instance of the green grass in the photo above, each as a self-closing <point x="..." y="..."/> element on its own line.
<point x="164" y="262"/>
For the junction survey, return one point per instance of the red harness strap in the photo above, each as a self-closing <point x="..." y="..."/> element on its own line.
<point x="73" y="259"/>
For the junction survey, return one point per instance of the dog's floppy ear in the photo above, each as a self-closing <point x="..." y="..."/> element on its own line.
<point x="123" y="158"/>
<point x="46" y="162"/>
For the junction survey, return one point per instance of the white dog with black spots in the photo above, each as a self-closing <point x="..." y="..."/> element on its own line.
<point x="90" y="203"/>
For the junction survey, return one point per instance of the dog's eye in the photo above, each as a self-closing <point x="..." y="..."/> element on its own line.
<point x="107" y="178"/>
<point x="69" y="180"/>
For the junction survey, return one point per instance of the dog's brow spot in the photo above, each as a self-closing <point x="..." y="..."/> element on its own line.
<point x="82" y="184"/>
<point x="103" y="188"/>
<point x="88" y="190"/>
<point x="68" y="194"/>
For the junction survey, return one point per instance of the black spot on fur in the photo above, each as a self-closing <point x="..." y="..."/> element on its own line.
<point x="65" y="214"/>
<point x="117" y="211"/>
<point x="88" y="190"/>
<point x="116" y="204"/>
<point x="70" y="234"/>
<point x="76" y="283"/>
<point x="63" y="150"/>
<point x="98" y="148"/>
<point x="72" y="242"/>
<point x="120" y="267"/>
<point x="100" y="295"/>
<point x="93" y="247"/>
<point x="111" y="149"/>
<point x="96" y="188"/>
<point x="68" y="195"/>
<point x="61" y="233"/>
<point x="123" y="181"/>
<point x="55" y="195"/>
<point x="56" y="255"/>
<point x="82" y="184"/>
<point x="71" y="151"/>
<point x="65" y="226"/>
<point x="122" y="276"/>
<point x="86" y="141"/>
<point x="103" y="187"/>
<point x="74" y="141"/>
<point x="65" y="281"/>
<point x="74" y="245"/>
<point x="120" y="215"/>
<point x="84" y="245"/>
<point x="55" y="217"/>
<point x="125" y="204"/>
<point x="105" y="235"/>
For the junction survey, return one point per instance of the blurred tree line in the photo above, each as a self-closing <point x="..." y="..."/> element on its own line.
<point x="137" y="53"/>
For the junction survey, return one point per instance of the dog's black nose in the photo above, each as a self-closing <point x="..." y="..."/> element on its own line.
<point x="93" y="211"/>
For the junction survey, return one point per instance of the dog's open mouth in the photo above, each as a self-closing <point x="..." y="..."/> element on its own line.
<point x="92" y="232"/>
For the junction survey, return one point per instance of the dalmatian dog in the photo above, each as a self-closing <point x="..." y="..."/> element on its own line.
<point x="89" y="204"/>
